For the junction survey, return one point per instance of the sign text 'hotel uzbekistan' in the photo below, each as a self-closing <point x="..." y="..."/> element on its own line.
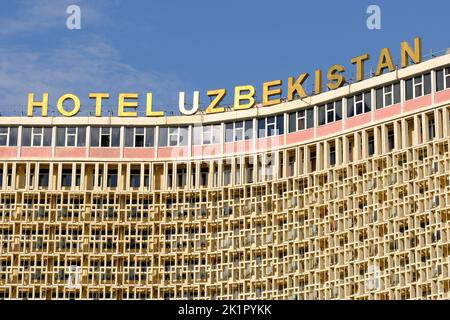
<point x="244" y="96"/>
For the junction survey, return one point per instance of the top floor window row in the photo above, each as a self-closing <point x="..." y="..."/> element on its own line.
<point x="301" y="120"/>
<point x="8" y="136"/>
<point x="239" y="130"/>
<point x="418" y="86"/>
<point x="207" y="134"/>
<point x="271" y="126"/>
<point x="387" y="95"/>
<point x="443" y="79"/>
<point x="146" y="136"/>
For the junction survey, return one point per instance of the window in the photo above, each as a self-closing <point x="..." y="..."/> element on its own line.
<point x="66" y="178"/>
<point x="391" y="141"/>
<point x="70" y="136"/>
<point x="37" y="136"/>
<point x="207" y="134"/>
<point x="112" y="178"/>
<point x="330" y="112"/>
<point x="135" y="178"/>
<point x="371" y="145"/>
<point x="358" y="104"/>
<point x="173" y="136"/>
<point x="139" y="137"/>
<point x="8" y="136"/>
<point x="431" y="129"/>
<point x="43" y="178"/>
<point x="105" y="137"/>
<point x="301" y="120"/>
<point x="332" y="155"/>
<point x="238" y="131"/>
<point x="443" y="79"/>
<point x="387" y="95"/>
<point x="418" y="86"/>
<point x="270" y="126"/>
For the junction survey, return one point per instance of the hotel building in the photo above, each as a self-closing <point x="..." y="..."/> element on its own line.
<point x="341" y="195"/>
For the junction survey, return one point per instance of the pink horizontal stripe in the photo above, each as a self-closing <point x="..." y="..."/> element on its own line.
<point x="146" y="153"/>
<point x="442" y="96"/>
<point x="70" y="152"/>
<point x="386" y="112"/>
<point x="417" y="103"/>
<point x="269" y="143"/>
<point x="104" y="152"/>
<point x="8" y="152"/>
<point x="206" y="150"/>
<point x="300" y="136"/>
<point x="357" y="120"/>
<point x="238" y="147"/>
<point x="329" y="128"/>
<point x="36" y="152"/>
<point x="172" y="152"/>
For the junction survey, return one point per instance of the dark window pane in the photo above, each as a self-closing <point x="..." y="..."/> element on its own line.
<point x="149" y="137"/>
<point x="292" y="122"/>
<point x="47" y="137"/>
<point x="162" y="137"/>
<point x="280" y="124"/>
<point x="115" y="141"/>
<point x="371" y="148"/>
<point x="60" y="136"/>
<point x="261" y="128"/>
<point x="310" y="117"/>
<point x="409" y="89"/>
<point x="229" y="136"/>
<point x="397" y="92"/>
<point x="66" y="179"/>
<point x="105" y="140"/>
<point x="379" y="98"/>
<point x="367" y="102"/>
<point x="135" y="179"/>
<point x="13" y="136"/>
<point x="139" y="141"/>
<point x="321" y="115"/>
<point x="427" y="84"/>
<point x="338" y="109"/>
<point x="94" y="136"/>
<point x="129" y="135"/>
<point x="439" y="80"/>
<point x="112" y="179"/>
<point x="81" y="136"/>
<point x="350" y="107"/>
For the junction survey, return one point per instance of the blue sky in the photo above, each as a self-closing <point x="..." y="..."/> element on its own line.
<point x="171" y="46"/>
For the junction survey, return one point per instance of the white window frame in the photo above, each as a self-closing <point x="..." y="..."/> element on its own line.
<point x="238" y="133"/>
<point x="355" y="102"/>
<point x="386" y="94"/>
<point x="41" y="135"/>
<point x="299" y="118"/>
<point x="176" y="132"/>
<point x="135" y="134"/>
<point x="67" y="134"/>
<point x="101" y="133"/>
<point x="420" y="83"/>
<point x="446" y="77"/>
<point x="270" y="124"/>
<point x="7" y="136"/>
<point x="332" y="110"/>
